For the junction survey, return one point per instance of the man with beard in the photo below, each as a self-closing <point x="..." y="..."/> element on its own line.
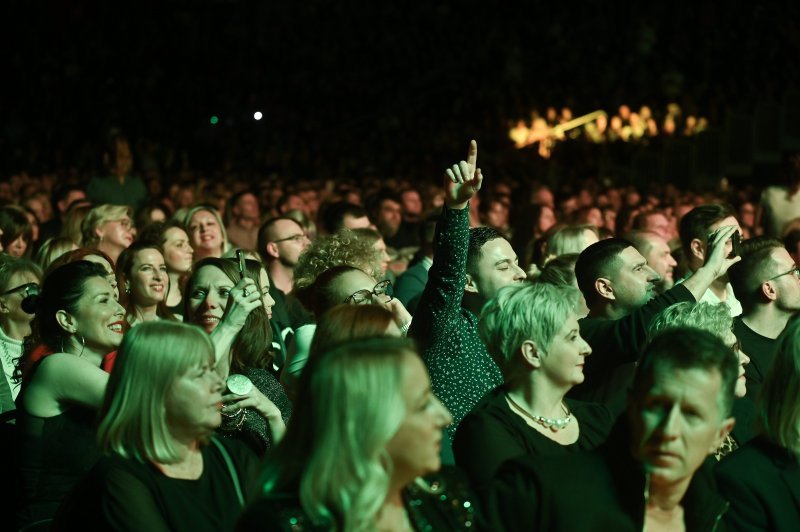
<point x="619" y="288"/>
<point x="655" y="250"/>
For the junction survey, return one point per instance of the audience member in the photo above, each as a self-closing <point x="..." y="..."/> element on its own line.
<point x="142" y="274"/>
<point x="762" y="479"/>
<point x="652" y="473"/>
<point x="178" y="256"/>
<point x="245" y="218"/>
<point x="16" y="232"/>
<point x="531" y="331"/>
<point x="119" y="186"/>
<point x="655" y="250"/>
<point x="53" y="248"/>
<point x="206" y="232"/>
<point x="108" y="228"/>
<point x="411" y="283"/>
<point x="163" y="467"/>
<point x="367" y="428"/>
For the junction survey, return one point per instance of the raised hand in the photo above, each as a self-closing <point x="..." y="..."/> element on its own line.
<point x="463" y="180"/>
<point x="718" y="249"/>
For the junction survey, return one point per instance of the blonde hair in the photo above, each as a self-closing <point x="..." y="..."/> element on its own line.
<point x="350" y="405"/>
<point x="184" y="216"/>
<point x="779" y="415"/>
<point x="97" y="217"/>
<point x="53" y="248"/>
<point x="152" y="356"/>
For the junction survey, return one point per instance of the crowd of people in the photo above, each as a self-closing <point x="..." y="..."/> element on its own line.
<point x="265" y="356"/>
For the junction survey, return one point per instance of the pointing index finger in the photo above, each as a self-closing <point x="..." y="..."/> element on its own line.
<point x="472" y="154"/>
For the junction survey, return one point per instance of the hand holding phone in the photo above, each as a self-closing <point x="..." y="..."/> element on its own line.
<point x="736" y="241"/>
<point x="242" y="265"/>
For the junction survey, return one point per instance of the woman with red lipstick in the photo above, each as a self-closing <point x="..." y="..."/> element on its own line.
<point x="163" y="467"/>
<point x="366" y="432"/>
<point x="77" y="322"/>
<point x="144" y="281"/>
<point x="108" y="228"/>
<point x="257" y="413"/>
<point x="531" y="331"/>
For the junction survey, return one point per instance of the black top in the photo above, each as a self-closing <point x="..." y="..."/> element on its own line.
<point x="447" y="504"/>
<point x="762" y="482"/>
<point x="617" y="342"/>
<point x="599" y="490"/>
<point x="125" y="494"/>
<point x="761" y="351"/>
<point x="492" y="433"/>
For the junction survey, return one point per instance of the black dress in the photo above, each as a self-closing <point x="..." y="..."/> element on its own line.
<point x="492" y="433"/>
<point x="447" y="505"/>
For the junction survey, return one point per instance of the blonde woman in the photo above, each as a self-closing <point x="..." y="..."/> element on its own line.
<point x="205" y="229"/>
<point x="108" y="228"/>
<point x="367" y="429"/>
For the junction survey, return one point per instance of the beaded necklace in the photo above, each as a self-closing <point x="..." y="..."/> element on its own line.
<point x="554" y="424"/>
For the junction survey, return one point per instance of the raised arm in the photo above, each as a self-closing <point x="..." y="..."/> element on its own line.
<point x="246" y="297"/>
<point x="716" y="264"/>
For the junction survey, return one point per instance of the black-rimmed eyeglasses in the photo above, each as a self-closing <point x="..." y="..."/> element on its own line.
<point x="794" y="271"/>
<point x="296" y="238"/>
<point x="28" y="289"/>
<point x="365" y="297"/>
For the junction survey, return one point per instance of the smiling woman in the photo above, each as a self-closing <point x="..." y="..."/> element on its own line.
<point x="78" y="321"/>
<point x="142" y="276"/>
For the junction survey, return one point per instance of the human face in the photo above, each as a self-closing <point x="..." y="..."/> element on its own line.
<point x="265" y="297"/>
<point x="117" y="233"/>
<point x="110" y="277"/>
<point x="498" y="267"/>
<point x="290" y="241"/>
<point x="194" y="401"/>
<point x="149" y="281"/>
<point x="205" y="234"/>
<point x="380" y="247"/>
<point x="412" y="203"/>
<point x="633" y="282"/>
<point x="415" y="447"/>
<point x="785" y="282"/>
<point x="660" y="260"/>
<point x="178" y="253"/>
<point x="677" y="423"/>
<point x="99" y="317"/>
<point x="389" y="216"/>
<point x="351" y="222"/>
<point x="497" y="215"/>
<point x="11" y="301"/>
<point x="351" y="282"/>
<point x="659" y="224"/>
<point x="562" y="362"/>
<point x="18" y="247"/>
<point x="247" y="207"/>
<point x="209" y="297"/>
<point x="547" y="219"/>
<point x="736" y="346"/>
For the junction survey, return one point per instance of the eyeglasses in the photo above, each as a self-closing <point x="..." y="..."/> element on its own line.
<point x="365" y="297"/>
<point x="794" y="271"/>
<point x="296" y="238"/>
<point x="28" y="289"/>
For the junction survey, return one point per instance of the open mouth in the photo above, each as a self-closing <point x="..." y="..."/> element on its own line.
<point x="116" y="327"/>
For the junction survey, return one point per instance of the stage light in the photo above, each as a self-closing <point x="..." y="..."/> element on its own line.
<point x="257" y="115"/>
<point x="214" y="120"/>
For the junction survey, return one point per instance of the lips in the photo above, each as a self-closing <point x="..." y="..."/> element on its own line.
<point x="117" y="327"/>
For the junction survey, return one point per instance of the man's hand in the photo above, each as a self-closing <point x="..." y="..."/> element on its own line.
<point x="463" y="180"/>
<point x="717" y="250"/>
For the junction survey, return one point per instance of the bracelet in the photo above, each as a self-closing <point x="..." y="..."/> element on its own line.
<point x="404" y="328"/>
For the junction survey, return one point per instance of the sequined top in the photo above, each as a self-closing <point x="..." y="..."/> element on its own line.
<point x="460" y="368"/>
<point x="248" y="426"/>
<point x="444" y="501"/>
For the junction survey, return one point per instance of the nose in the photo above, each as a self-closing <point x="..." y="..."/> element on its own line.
<point x="670" y="424"/>
<point x="743" y="358"/>
<point x="268" y="301"/>
<point x="585" y="348"/>
<point x="519" y="273"/>
<point x="671" y="261"/>
<point x="217" y="384"/>
<point x="445" y="418"/>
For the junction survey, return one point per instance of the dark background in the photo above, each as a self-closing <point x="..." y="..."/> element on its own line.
<point x="361" y="88"/>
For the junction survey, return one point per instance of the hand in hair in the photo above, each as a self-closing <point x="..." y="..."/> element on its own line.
<point x="463" y="180"/>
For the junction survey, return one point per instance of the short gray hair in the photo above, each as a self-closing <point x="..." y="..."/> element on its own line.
<point x="713" y="318"/>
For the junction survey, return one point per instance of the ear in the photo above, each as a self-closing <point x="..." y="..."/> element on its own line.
<point x="724" y="430"/>
<point x="471" y="285"/>
<point x="698" y="249"/>
<point x="272" y="250"/>
<point x="98" y="232"/>
<point x="531" y="354"/>
<point x="4" y="308"/>
<point x="767" y="289"/>
<point x="604" y="287"/>
<point x="66" y="321"/>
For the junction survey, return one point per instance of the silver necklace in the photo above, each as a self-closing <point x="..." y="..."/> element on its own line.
<point x="554" y="424"/>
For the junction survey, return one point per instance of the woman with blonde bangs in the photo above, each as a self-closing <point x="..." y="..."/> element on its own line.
<point x="163" y="467"/>
<point x="762" y="479"/>
<point x="108" y="228"/>
<point x="205" y="229"/>
<point x="366" y="428"/>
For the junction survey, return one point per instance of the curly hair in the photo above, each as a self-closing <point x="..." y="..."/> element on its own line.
<point x="343" y="248"/>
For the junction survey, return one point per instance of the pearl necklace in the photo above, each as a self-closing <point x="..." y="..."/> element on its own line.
<point x="554" y="424"/>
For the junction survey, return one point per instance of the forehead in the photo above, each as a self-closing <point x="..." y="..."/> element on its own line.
<point x="95" y="286"/>
<point x="20" y="278"/>
<point x="782" y="258"/>
<point x="730" y="220"/>
<point x="97" y="259"/>
<point x="630" y="257"/>
<point x="354" y="280"/>
<point x="658" y="245"/>
<point x="203" y="217"/>
<point x="695" y="387"/>
<point x="497" y="250"/>
<point x="148" y="256"/>
<point x="211" y="275"/>
<point x="283" y="228"/>
<point x="175" y="233"/>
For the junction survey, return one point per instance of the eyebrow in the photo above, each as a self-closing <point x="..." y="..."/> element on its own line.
<point x="639" y="265"/>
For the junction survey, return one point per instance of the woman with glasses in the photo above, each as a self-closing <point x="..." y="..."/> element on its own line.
<point x="337" y="285"/>
<point x="19" y="280"/>
<point x="256" y="406"/>
<point x="108" y="228"/>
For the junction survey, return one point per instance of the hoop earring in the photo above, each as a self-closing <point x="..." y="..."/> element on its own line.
<point x="83" y="345"/>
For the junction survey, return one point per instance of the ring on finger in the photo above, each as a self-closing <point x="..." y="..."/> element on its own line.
<point x="245" y="293"/>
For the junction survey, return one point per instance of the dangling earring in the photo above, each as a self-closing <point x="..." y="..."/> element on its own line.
<point x="83" y="344"/>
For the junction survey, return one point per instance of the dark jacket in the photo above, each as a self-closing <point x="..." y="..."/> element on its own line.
<point x="762" y="482"/>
